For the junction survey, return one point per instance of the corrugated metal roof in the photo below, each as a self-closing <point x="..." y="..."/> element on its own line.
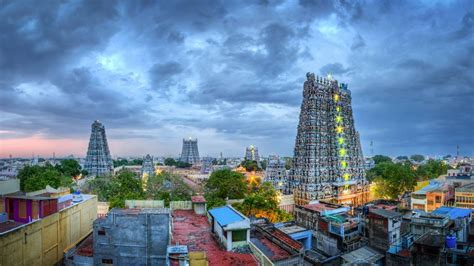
<point x="453" y="212"/>
<point x="226" y="215"/>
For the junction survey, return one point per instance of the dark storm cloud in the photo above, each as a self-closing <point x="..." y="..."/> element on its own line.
<point x="238" y="68"/>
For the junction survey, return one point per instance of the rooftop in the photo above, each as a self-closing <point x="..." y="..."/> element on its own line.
<point x="361" y="255"/>
<point x="226" y="215"/>
<point x="195" y="231"/>
<point x="137" y="211"/>
<point x="432" y="186"/>
<point x="432" y="239"/>
<point x="453" y="212"/>
<point x="386" y="213"/>
<point x="291" y="229"/>
<point x="325" y="207"/>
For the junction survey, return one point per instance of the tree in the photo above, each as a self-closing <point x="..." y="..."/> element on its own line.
<point x="69" y="167"/>
<point x="381" y="159"/>
<point x="392" y="180"/>
<point x="263" y="203"/>
<point x="38" y="177"/>
<point x="431" y="169"/>
<point x="224" y="184"/>
<point x="417" y="158"/>
<point x="170" y="162"/>
<point x="250" y="166"/>
<point x="400" y="158"/>
<point x="180" y="164"/>
<point x="166" y="186"/>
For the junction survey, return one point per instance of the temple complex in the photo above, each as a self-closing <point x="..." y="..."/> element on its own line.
<point x="275" y="173"/>
<point x="190" y="152"/>
<point x="328" y="162"/>
<point x="98" y="159"/>
<point x="148" y="167"/>
<point x="251" y="154"/>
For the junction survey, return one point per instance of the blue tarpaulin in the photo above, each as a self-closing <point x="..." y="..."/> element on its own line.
<point x="453" y="212"/>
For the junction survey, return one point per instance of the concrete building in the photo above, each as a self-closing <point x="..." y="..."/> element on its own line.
<point x="432" y="196"/>
<point x="383" y="228"/>
<point x="190" y="152"/>
<point x="43" y="241"/>
<point x="98" y="159"/>
<point x="199" y="205"/>
<point x="462" y="218"/>
<point x="309" y="215"/>
<point x="328" y="161"/>
<point x="298" y="233"/>
<point x="231" y="227"/>
<point x="271" y="246"/>
<point x="132" y="237"/>
<point x="435" y="249"/>
<point x="464" y="196"/>
<point x="422" y="223"/>
<point x="275" y="173"/>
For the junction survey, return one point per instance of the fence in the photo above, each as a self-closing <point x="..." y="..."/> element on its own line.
<point x="181" y="205"/>
<point x="144" y="204"/>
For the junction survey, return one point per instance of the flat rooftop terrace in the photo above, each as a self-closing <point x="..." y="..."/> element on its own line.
<point x="195" y="232"/>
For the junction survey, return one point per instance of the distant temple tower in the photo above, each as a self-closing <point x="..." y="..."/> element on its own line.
<point x="190" y="152"/>
<point x="148" y="167"/>
<point x="328" y="162"/>
<point x="251" y="154"/>
<point x="98" y="159"/>
<point x="275" y="173"/>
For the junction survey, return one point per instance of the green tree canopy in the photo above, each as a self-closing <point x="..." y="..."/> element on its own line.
<point x="180" y="164"/>
<point x="392" y="180"/>
<point x="263" y="202"/>
<point x="223" y="184"/>
<point x="402" y="157"/>
<point x="168" y="187"/>
<point x="37" y="177"/>
<point x="417" y="158"/>
<point x="381" y="159"/>
<point x="69" y="167"/>
<point x="431" y="169"/>
<point x="250" y="166"/>
<point x="170" y="162"/>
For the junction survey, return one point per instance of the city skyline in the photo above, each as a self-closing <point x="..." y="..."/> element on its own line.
<point x="230" y="74"/>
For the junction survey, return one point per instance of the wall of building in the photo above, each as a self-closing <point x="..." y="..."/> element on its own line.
<point x="9" y="186"/>
<point x="137" y="239"/>
<point x="43" y="242"/>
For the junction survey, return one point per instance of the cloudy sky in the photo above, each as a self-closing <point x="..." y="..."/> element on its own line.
<point x="231" y="73"/>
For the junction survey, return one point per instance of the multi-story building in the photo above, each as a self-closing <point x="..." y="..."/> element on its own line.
<point x="132" y="237"/>
<point x="98" y="159"/>
<point x="190" y="152"/>
<point x="464" y="196"/>
<point x="44" y="239"/>
<point x="328" y="161"/>
<point x="383" y="228"/>
<point x="275" y="173"/>
<point x="432" y="196"/>
<point x="422" y="222"/>
<point x="148" y="167"/>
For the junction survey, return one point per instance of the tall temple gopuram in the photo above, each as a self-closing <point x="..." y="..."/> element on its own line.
<point x="190" y="152"/>
<point x="328" y="162"/>
<point x="98" y="159"/>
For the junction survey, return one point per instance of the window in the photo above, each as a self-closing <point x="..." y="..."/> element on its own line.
<point x="101" y="232"/>
<point x="108" y="261"/>
<point x="438" y="199"/>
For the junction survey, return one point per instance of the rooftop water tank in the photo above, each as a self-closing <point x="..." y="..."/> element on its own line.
<point x="450" y="241"/>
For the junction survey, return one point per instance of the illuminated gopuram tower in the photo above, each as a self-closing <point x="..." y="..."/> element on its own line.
<point x="328" y="162"/>
<point x="98" y="159"/>
<point x="190" y="152"/>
